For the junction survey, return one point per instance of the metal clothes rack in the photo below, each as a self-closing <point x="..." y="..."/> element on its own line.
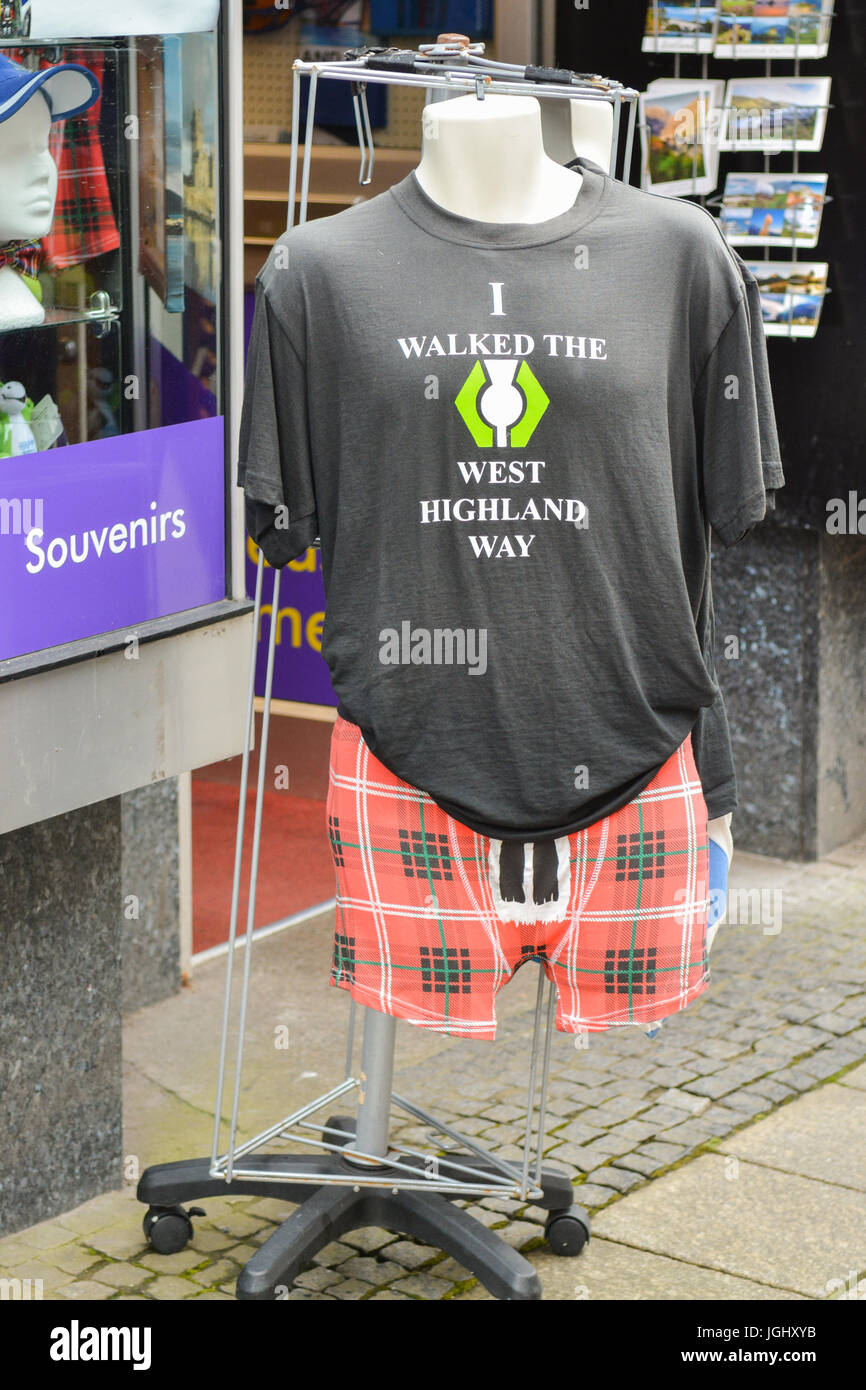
<point x="356" y="1175"/>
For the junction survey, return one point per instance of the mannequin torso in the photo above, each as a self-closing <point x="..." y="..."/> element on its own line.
<point x="19" y="308"/>
<point x="579" y="127"/>
<point x="486" y="160"/>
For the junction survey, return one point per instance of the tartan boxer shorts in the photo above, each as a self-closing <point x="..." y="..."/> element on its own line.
<point x="433" y="919"/>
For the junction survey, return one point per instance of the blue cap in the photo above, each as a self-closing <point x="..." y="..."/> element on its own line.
<point x="68" y="88"/>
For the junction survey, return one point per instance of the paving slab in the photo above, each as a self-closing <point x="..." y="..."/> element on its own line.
<point x="608" y="1270"/>
<point x="822" y="1135"/>
<point x="856" y="1078"/>
<point x="725" y="1214"/>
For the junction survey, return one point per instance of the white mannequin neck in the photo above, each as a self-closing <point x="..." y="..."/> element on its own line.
<point x="580" y="127"/>
<point x="19" y="308"/>
<point x="486" y="160"/>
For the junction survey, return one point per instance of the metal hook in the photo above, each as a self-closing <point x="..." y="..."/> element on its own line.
<point x="363" y="172"/>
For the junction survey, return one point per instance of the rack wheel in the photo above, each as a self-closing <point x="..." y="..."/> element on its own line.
<point x="567" y="1231"/>
<point x="345" y="1123"/>
<point x="169" y="1229"/>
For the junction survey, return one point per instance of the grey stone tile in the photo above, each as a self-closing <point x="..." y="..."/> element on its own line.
<point x="806" y="1035"/>
<point x="746" y="1223"/>
<point x="333" y="1253"/>
<point x="349" y="1289"/>
<point x="622" y="1179"/>
<point x="835" y="1023"/>
<point x="607" y="1270"/>
<point x="822" y="1135"/>
<point x="770" y="1088"/>
<point x="672" y="1076"/>
<point x="520" y="1233"/>
<point x="747" y="1106"/>
<point x="577" y="1132"/>
<point x="712" y="1086"/>
<point x="638" y="1163"/>
<point x="423" y="1286"/>
<point x="683" y="1101"/>
<point x="410" y="1255"/>
<point x="796" y="1078"/>
<point x="592" y="1195"/>
<point x="823" y="1064"/>
<point x="582" y="1157"/>
<point x="665" y="1153"/>
<point x="662" y="1116"/>
<point x="372" y="1271"/>
<point x="318" y="1278"/>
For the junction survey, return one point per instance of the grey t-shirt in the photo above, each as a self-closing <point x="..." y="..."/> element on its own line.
<point x="513" y="461"/>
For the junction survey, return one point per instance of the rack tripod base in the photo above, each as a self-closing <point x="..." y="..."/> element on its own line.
<point x="343" y="1203"/>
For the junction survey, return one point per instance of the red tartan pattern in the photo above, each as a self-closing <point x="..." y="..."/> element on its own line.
<point x="21" y="255"/>
<point x="84" y="224"/>
<point x="433" y="918"/>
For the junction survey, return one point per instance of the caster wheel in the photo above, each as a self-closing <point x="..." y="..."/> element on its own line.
<point x="567" y="1231"/>
<point x="345" y="1124"/>
<point x="169" y="1229"/>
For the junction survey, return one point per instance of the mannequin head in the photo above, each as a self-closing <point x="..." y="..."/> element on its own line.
<point x="28" y="174"/>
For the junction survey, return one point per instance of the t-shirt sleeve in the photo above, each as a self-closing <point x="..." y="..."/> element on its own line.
<point x="274" y="466"/>
<point x="770" y="453"/>
<point x="736" y="434"/>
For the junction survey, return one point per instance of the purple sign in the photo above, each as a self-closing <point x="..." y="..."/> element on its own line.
<point x="300" y="670"/>
<point x="101" y="536"/>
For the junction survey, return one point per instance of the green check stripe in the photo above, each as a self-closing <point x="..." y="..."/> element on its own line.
<point x="446" y="966"/>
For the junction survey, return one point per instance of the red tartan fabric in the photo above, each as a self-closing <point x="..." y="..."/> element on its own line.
<point x="84" y="224"/>
<point x="433" y="919"/>
<point x="21" y="255"/>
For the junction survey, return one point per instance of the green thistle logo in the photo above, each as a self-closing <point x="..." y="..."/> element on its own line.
<point x="503" y="405"/>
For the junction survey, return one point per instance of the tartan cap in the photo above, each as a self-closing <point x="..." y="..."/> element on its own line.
<point x="68" y="88"/>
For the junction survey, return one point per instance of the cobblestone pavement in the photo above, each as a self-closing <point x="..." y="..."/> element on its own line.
<point x="785" y="1014"/>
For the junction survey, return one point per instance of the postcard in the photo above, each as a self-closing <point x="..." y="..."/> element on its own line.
<point x="776" y="113"/>
<point x="681" y="28"/>
<point x="792" y="296"/>
<point x="773" y="209"/>
<point x="679" y="155"/>
<point x="734" y="32"/>
<point x="774" y="28"/>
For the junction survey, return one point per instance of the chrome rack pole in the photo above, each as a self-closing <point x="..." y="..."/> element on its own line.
<point x="254" y="868"/>
<point x="377" y="1077"/>
<point x="614" y="140"/>
<point x="629" y="139"/>
<point x="293" y="158"/>
<point x="308" y="145"/>
<point x="545" y="1082"/>
<point x="530" y="1095"/>
<point x="239" y="844"/>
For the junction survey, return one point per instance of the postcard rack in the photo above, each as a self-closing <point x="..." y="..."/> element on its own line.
<point x="737" y="51"/>
<point x="796" y="53"/>
<point x="356" y="1174"/>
